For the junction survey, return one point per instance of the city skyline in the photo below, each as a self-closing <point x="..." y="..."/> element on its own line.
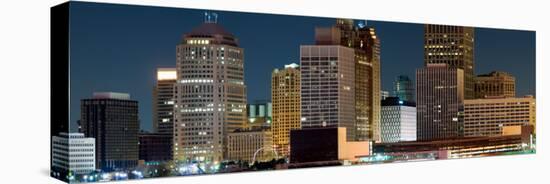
<point x="127" y="66"/>
<point x="208" y="96"/>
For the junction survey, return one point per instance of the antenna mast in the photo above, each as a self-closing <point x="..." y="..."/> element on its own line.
<point x="210" y="17"/>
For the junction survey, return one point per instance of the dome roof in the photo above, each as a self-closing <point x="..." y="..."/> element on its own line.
<point x="214" y="32"/>
<point x="209" y="29"/>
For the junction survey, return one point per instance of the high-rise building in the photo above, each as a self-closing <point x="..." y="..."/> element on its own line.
<point x="403" y="87"/>
<point x="328" y="87"/>
<point x="72" y="153"/>
<point x="453" y="45"/>
<point x="398" y="120"/>
<point x="440" y="105"/>
<point x="488" y="117"/>
<point x="366" y="47"/>
<point x="163" y="101"/>
<point x="250" y="145"/>
<point x="112" y="119"/>
<point x="285" y="95"/>
<point x="155" y="147"/>
<point x="495" y="84"/>
<point x="259" y="113"/>
<point x="210" y="93"/>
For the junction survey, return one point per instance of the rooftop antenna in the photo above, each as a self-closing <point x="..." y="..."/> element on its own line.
<point x="362" y="23"/>
<point x="210" y="17"/>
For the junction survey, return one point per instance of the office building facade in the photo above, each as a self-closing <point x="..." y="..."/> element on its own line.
<point x="72" y="153"/>
<point x="440" y="102"/>
<point x="210" y="93"/>
<point x="367" y="89"/>
<point x="251" y="145"/>
<point x="328" y="87"/>
<point x="163" y="101"/>
<point x="453" y="45"/>
<point x="488" y="117"/>
<point x="495" y="84"/>
<point x="112" y="119"/>
<point x="398" y="120"/>
<point x="285" y="95"/>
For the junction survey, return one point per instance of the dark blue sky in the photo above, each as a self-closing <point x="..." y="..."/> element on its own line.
<point x="118" y="48"/>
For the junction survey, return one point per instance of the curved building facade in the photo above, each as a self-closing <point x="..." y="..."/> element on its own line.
<point x="210" y="93"/>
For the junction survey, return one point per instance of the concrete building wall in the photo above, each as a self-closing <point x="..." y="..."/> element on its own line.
<point x="488" y="117"/>
<point x="243" y="146"/>
<point x="72" y="152"/>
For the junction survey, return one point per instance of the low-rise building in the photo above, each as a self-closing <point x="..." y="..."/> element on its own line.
<point x="155" y="147"/>
<point x="250" y="145"/>
<point x="398" y="120"/>
<point x="325" y="145"/>
<point x="488" y="117"/>
<point x="72" y="153"/>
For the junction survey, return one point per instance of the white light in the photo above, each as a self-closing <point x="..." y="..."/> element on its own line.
<point x="166" y="74"/>
<point x="292" y="65"/>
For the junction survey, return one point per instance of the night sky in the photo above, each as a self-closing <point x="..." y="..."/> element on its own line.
<point x="118" y="48"/>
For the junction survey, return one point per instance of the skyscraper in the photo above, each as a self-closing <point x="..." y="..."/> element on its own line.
<point x="366" y="47"/>
<point x="285" y="96"/>
<point x="398" y="122"/>
<point x="453" y="45"/>
<point x="328" y="87"/>
<point x="440" y="105"/>
<point x="112" y="119"/>
<point x="495" y="84"/>
<point x="163" y="101"/>
<point x="403" y="88"/>
<point x="210" y="93"/>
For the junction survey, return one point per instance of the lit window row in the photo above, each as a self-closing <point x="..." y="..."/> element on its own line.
<point x="198" y="41"/>
<point x="196" y="81"/>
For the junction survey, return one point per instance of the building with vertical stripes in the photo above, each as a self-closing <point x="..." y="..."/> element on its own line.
<point x="453" y="45"/>
<point x="367" y="89"/>
<point x="328" y="87"/>
<point x="440" y="102"/>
